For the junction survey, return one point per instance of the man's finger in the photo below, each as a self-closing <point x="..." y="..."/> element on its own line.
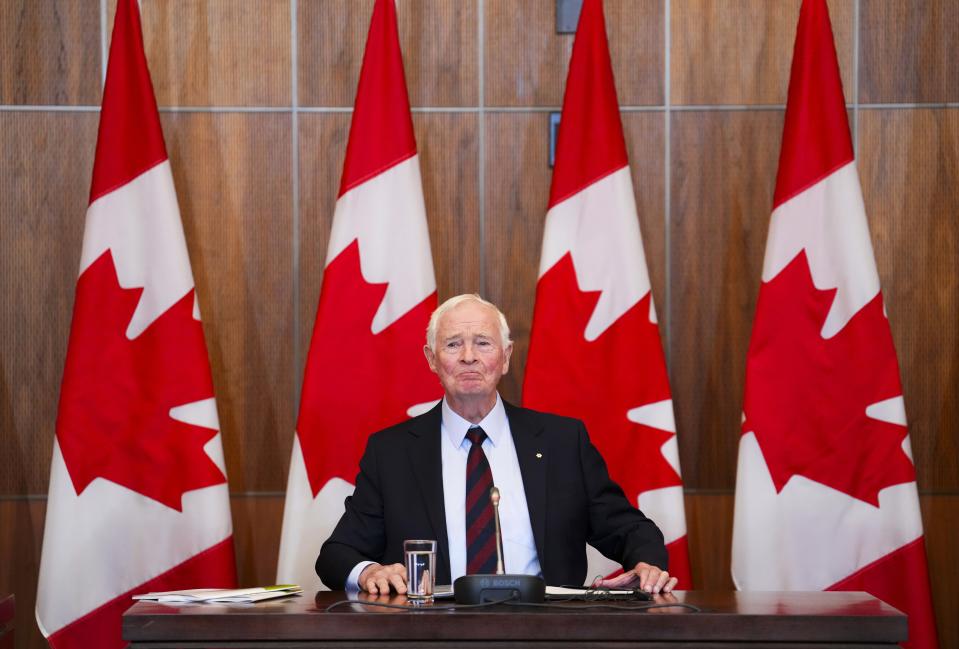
<point x="660" y="581"/>
<point x="399" y="582"/>
<point x="366" y="575"/>
<point x="618" y="580"/>
<point x="644" y="578"/>
<point x="668" y="588"/>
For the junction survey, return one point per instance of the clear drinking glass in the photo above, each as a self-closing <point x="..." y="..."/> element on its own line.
<point x="420" y="568"/>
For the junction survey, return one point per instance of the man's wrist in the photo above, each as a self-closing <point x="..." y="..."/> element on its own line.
<point x="362" y="576"/>
<point x="353" y="582"/>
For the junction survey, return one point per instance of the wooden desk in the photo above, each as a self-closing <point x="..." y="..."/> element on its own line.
<point x="727" y="620"/>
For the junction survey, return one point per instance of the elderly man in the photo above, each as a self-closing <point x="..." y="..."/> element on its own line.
<point x="429" y="478"/>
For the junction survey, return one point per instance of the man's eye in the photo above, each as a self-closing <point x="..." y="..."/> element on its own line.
<point x="484" y="343"/>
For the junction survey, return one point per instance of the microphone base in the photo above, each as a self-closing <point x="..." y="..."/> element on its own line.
<point x="477" y="589"/>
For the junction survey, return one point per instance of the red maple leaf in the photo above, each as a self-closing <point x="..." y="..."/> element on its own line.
<point x="600" y="381"/>
<point x="114" y="420"/>
<point x="806" y="396"/>
<point x="358" y="382"/>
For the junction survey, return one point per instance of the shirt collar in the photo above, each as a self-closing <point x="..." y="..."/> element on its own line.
<point x="494" y="424"/>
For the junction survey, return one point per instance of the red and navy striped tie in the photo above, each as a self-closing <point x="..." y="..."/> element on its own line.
<point x="480" y="534"/>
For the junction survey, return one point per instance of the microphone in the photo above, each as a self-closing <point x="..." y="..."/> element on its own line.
<point x="494" y="498"/>
<point x="477" y="589"/>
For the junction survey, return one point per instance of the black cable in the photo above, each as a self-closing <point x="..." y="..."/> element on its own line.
<point x="640" y="607"/>
<point x="408" y="607"/>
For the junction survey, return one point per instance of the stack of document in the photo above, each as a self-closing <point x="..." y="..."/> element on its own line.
<point x="246" y="595"/>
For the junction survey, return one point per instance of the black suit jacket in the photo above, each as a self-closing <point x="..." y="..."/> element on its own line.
<point x="571" y="501"/>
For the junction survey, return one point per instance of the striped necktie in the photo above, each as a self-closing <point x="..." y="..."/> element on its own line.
<point x="480" y="534"/>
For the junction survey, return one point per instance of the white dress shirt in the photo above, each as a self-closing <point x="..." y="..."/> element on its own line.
<point x="519" y="546"/>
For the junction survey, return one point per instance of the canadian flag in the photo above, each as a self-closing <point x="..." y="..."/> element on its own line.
<point x="365" y="369"/>
<point x="826" y="489"/>
<point x="595" y="351"/>
<point x="138" y="495"/>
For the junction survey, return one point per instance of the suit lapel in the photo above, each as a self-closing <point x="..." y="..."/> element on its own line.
<point x="533" y="453"/>
<point x="426" y="463"/>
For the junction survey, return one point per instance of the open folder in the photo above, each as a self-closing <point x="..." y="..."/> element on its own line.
<point x="223" y="594"/>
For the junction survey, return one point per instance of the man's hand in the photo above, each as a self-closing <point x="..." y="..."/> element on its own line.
<point x="645" y="577"/>
<point x="377" y="579"/>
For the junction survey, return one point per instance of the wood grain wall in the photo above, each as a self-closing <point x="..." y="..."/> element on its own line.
<point x="256" y="148"/>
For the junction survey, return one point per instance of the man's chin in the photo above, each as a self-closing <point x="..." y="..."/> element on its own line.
<point x="474" y="389"/>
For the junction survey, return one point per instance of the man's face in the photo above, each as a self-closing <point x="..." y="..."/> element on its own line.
<point x="469" y="357"/>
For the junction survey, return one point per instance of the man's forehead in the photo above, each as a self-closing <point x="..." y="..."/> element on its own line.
<point x="475" y="317"/>
<point x="476" y="326"/>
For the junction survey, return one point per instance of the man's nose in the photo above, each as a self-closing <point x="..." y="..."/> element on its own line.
<point x="468" y="355"/>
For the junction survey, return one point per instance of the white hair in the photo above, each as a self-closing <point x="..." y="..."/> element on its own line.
<point x="454" y="302"/>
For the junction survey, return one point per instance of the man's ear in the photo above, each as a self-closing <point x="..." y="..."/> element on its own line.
<point x="508" y="352"/>
<point x="430" y="357"/>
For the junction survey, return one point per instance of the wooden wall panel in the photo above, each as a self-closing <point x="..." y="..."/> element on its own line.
<point x="723" y="176"/>
<point x="449" y="162"/>
<point x="740" y="51"/>
<point x="940" y="519"/>
<point x="257" y="521"/>
<point x="49" y="52"/>
<point x="517" y="191"/>
<point x="233" y="179"/>
<point x="330" y="36"/>
<point x="218" y="52"/>
<point x="526" y="60"/>
<point x="45" y="174"/>
<point x="910" y="170"/>
<point x="322" y="145"/>
<point x="646" y="145"/>
<point x="21" y="537"/>
<point x="438" y="39"/>
<point x="908" y="51"/>
<point x="709" y="524"/>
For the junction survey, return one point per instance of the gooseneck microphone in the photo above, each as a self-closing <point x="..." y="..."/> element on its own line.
<point x="477" y="589"/>
<point x="494" y="498"/>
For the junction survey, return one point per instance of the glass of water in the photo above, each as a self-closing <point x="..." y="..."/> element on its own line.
<point x="420" y="569"/>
